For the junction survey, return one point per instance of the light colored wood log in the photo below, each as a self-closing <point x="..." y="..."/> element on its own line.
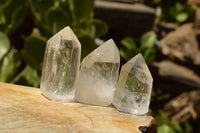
<point x="24" y="109"/>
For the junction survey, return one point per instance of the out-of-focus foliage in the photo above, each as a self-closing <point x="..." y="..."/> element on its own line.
<point x="4" y="45"/>
<point x="167" y="11"/>
<point x="21" y="53"/>
<point x="167" y="126"/>
<point x="175" y="12"/>
<point x="146" y="47"/>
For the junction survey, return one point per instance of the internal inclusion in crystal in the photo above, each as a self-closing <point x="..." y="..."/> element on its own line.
<point x="134" y="87"/>
<point x="98" y="83"/>
<point x="98" y="76"/>
<point x="60" y="67"/>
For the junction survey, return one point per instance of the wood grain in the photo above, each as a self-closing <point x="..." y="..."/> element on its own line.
<point x="24" y="109"/>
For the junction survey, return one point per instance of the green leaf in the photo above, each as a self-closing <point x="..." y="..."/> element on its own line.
<point x="182" y="17"/>
<point x="156" y="1"/>
<point x="9" y="66"/>
<point x="123" y="54"/>
<point x="34" y="51"/>
<point x="28" y="77"/>
<point x="176" y="127"/>
<point x="90" y="31"/>
<point x="148" y="40"/>
<point x="39" y="7"/>
<point x="84" y="9"/>
<point x="56" y="19"/>
<point x="163" y="97"/>
<point x="2" y="21"/>
<point x="160" y="119"/>
<point x="4" y="45"/>
<point x="14" y="15"/>
<point x="101" y="27"/>
<point x="87" y="45"/>
<point x="18" y="16"/>
<point x="70" y="5"/>
<point x="178" y="6"/>
<point x="169" y="13"/>
<point x="86" y="27"/>
<point x="129" y="43"/>
<point x="4" y="3"/>
<point x="165" y="129"/>
<point x="188" y="128"/>
<point x="149" y="55"/>
<point x="132" y="53"/>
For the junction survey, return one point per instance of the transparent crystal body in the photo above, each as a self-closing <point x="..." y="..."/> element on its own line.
<point x="98" y="75"/>
<point x="134" y="87"/>
<point x="61" y="66"/>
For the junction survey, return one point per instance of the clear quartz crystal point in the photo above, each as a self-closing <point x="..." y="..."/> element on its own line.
<point x="134" y="87"/>
<point x="98" y="75"/>
<point x="61" y="66"/>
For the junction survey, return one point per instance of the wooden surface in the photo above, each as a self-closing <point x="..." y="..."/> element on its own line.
<point x="24" y="109"/>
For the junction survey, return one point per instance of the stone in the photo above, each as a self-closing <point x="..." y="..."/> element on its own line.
<point x="61" y="66"/>
<point x="134" y="87"/>
<point x="197" y="22"/>
<point x="183" y="108"/>
<point x="181" y="44"/>
<point x="178" y="74"/>
<point x="192" y="2"/>
<point x="98" y="75"/>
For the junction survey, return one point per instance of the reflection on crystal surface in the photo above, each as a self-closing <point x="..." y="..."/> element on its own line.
<point x="60" y="66"/>
<point x="134" y="87"/>
<point x="98" y="75"/>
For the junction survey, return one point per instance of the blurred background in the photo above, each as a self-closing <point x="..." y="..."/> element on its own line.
<point x="166" y="32"/>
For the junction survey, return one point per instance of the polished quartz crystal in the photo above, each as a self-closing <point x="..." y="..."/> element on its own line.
<point x="98" y="75"/>
<point x="61" y="66"/>
<point x="134" y="87"/>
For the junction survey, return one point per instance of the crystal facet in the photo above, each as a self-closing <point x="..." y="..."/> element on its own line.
<point x="61" y="66"/>
<point x="134" y="87"/>
<point x="98" y="75"/>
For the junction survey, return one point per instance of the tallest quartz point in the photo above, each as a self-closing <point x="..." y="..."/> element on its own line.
<point x="61" y="66"/>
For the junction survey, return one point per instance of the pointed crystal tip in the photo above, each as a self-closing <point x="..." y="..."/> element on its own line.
<point x="61" y="66"/>
<point x="134" y="87"/>
<point x="98" y="75"/>
<point x="110" y="51"/>
<point x="107" y="52"/>
<point x="65" y="34"/>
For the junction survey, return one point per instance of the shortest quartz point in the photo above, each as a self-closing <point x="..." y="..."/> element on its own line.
<point x="134" y="87"/>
